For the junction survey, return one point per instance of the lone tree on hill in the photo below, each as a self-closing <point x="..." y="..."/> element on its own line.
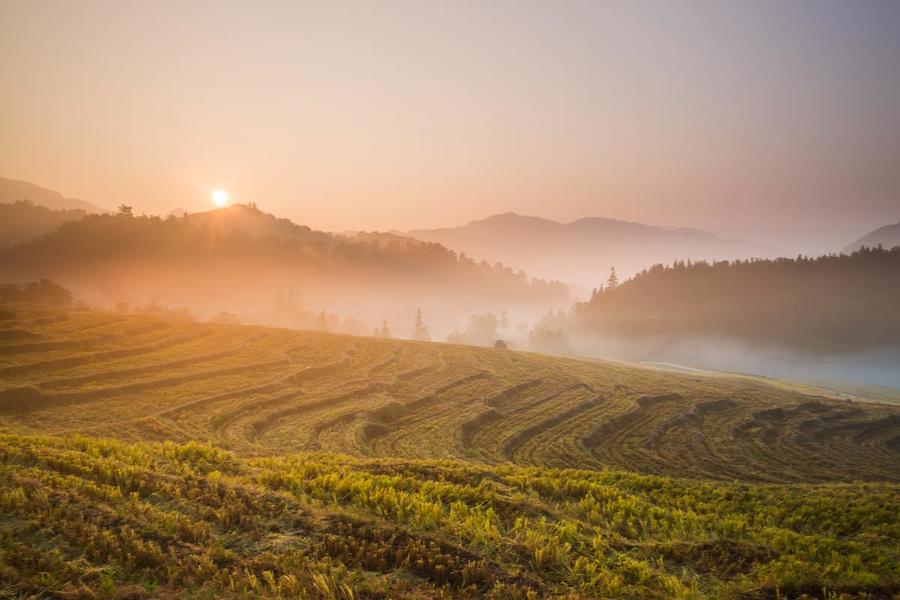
<point x="125" y="211"/>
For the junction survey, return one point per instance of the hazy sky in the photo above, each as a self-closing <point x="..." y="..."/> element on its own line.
<point x="766" y="119"/>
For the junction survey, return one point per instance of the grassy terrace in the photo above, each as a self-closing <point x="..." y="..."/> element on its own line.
<point x="146" y="458"/>
<point x="261" y="391"/>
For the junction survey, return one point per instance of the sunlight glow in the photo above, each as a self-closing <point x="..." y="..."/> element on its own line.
<point x="220" y="198"/>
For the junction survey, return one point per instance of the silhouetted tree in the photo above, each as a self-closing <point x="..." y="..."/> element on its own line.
<point x="385" y="331"/>
<point x="420" y="331"/>
<point x="125" y="211"/>
<point x="612" y="282"/>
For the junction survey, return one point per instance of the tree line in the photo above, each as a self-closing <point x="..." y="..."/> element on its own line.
<point x="830" y="303"/>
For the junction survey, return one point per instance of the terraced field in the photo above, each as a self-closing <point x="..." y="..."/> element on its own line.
<point x="261" y="392"/>
<point x="142" y="458"/>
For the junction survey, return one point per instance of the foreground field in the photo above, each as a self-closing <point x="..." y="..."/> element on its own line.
<point x="91" y="518"/>
<point x="259" y="391"/>
<point x="463" y="472"/>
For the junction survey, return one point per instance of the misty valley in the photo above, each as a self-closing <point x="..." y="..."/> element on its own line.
<point x="227" y="403"/>
<point x="429" y="300"/>
<point x="831" y="320"/>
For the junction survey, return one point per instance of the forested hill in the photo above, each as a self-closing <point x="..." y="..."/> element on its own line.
<point x="831" y="303"/>
<point x="23" y="221"/>
<point x="240" y="257"/>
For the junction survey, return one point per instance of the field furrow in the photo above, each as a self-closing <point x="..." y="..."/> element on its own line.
<point x="257" y="390"/>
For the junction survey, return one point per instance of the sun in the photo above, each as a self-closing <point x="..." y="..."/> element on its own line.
<point x="220" y="198"/>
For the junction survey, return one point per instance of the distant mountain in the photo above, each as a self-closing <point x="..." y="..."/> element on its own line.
<point x="584" y="250"/>
<point x="887" y="237"/>
<point x="13" y="190"/>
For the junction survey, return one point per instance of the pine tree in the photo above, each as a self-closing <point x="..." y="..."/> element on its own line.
<point x="384" y="332"/>
<point x="612" y="282"/>
<point x="504" y="320"/>
<point x="420" y="332"/>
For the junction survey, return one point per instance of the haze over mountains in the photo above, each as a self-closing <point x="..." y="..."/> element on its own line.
<point x="583" y="251"/>
<point x="580" y="252"/>
<point x="886" y="237"/>
<point x="14" y="190"/>
<point x="424" y="300"/>
<point x="270" y="270"/>
<point x="266" y="269"/>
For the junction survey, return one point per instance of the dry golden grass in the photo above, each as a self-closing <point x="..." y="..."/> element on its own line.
<point x="263" y="391"/>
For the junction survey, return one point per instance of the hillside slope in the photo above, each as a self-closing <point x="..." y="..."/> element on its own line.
<point x="452" y="489"/>
<point x="267" y="391"/>
<point x="14" y="190"/>
<point x="886" y="237"/>
<point x="584" y="250"/>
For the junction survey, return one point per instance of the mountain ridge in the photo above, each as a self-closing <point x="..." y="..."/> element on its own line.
<point x="14" y="190"/>
<point x="571" y="251"/>
<point x="887" y="236"/>
<point x="253" y="221"/>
